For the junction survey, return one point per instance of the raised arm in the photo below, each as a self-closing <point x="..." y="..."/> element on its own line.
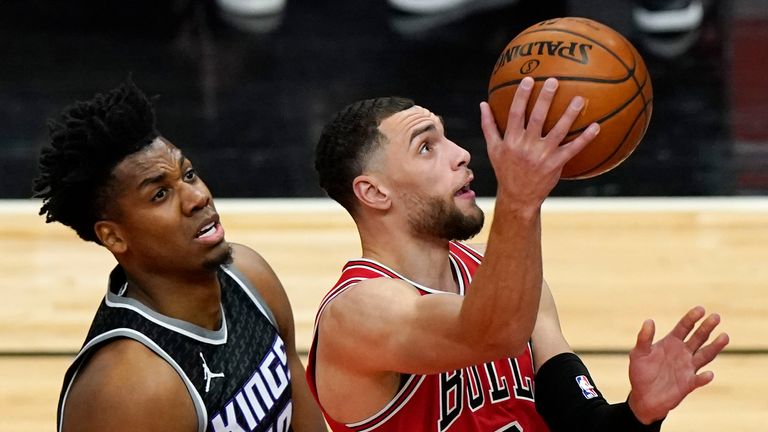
<point x="502" y="305"/>
<point x="392" y="328"/>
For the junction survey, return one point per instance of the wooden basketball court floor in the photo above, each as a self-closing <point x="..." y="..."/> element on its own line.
<point x="611" y="263"/>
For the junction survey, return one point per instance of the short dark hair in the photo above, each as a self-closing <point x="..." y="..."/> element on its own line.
<point x="348" y="140"/>
<point x="87" y="141"/>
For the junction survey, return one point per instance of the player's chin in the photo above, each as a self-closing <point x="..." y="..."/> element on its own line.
<point x="476" y="214"/>
<point x="221" y="255"/>
<point x="470" y="210"/>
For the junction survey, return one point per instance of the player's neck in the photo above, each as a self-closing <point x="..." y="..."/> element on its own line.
<point x="421" y="260"/>
<point x="197" y="302"/>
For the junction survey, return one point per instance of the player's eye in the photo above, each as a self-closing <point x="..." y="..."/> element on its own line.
<point x="160" y="194"/>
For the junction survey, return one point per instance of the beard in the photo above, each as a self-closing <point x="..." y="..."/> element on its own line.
<point x="222" y="258"/>
<point x="435" y="217"/>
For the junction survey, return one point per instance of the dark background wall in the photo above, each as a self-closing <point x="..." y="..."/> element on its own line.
<point x="246" y="99"/>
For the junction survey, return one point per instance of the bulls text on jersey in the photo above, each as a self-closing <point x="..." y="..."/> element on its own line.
<point x="463" y="388"/>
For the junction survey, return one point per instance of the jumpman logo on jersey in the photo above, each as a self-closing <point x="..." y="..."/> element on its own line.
<point x="208" y="375"/>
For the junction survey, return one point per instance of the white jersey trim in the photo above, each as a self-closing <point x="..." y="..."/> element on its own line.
<point x="416" y="284"/>
<point x="469" y="252"/>
<point x="457" y="272"/>
<point x="349" y="283"/>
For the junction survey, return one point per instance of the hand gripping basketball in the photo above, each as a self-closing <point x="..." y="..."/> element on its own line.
<point x="528" y="163"/>
<point x="591" y="60"/>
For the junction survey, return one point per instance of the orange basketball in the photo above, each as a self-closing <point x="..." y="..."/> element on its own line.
<point x="591" y="60"/>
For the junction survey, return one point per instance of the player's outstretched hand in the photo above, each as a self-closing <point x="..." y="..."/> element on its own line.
<point x="662" y="374"/>
<point x="528" y="162"/>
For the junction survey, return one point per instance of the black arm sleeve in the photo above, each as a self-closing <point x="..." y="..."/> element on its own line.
<point x="568" y="400"/>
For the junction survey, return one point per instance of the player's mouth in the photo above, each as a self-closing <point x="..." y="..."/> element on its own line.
<point x="465" y="192"/>
<point x="210" y="232"/>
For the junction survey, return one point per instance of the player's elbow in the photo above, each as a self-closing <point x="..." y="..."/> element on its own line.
<point x="515" y="341"/>
<point x="510" y="341"/>
<point x="496" y="349"/>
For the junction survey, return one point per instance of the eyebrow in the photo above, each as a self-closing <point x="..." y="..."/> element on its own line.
<point x="160" y="177"/>
<point x="428" y="128"/>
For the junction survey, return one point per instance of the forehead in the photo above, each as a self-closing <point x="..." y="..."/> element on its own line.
<point x="403" y="124"/>
<point x="159" y="156"/>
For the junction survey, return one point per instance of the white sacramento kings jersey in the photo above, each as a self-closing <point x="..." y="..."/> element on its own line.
<point x="237" y="376"/>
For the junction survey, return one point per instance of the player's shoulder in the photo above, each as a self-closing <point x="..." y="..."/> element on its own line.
<point x="129" y="361"/>
<point x="256" y="269"/>
<point x="248" y="260"/>
<point x="127" y="374"/>
<point x="264" y="281"/>
<point x="379" y="293"/>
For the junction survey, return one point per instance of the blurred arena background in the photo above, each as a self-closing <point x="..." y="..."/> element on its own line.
<point x="683" y="221"/>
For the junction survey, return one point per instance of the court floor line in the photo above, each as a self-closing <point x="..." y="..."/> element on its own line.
<point x="554" y="204"/>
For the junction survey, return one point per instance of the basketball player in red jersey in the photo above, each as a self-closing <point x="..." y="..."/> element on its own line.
<point x="419" y="336"/>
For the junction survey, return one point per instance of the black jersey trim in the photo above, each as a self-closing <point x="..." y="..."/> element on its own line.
<point x="461" y="279"/>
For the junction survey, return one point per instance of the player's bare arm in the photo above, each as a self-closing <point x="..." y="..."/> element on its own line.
<point x="403" y="321"/>
<point x="407" y="333"/>
<point x="127" y="387"/>
<point x="527" y="164"/>
<point x="547" y="335"/>
<point x="306" y="414"/>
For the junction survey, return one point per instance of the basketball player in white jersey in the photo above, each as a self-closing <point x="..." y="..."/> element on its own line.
<point x="417" y="335"/>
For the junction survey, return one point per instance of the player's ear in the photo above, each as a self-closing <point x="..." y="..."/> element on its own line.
<point x="371" y="192"/>
<point x="111" y="236"/>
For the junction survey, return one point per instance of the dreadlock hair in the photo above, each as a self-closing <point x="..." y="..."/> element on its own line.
<point x="88" y="140"/>
<point x="347" y="143"/>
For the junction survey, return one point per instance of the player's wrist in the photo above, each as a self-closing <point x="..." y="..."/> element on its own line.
<point x="517" y="208"/>
<point x="566" y="396"/>
<point x="641" y="411"/>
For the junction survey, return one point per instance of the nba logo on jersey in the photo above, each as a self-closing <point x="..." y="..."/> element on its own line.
<point x="586" y="387"/>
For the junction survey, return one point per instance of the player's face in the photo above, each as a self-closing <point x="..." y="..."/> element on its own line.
<point x="166" y="212"/>
<point x="429" y="175"/>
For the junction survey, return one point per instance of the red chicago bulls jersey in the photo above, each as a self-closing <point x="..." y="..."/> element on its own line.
<point x="492" y="397"/>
